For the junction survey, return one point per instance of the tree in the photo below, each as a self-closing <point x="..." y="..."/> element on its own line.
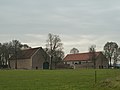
<point x="53" y="46"/>
<point x="58" y="57"/>
<point x="92" y="54"/>
<point x="110" y="49"/>
<point x="0" y="55"/>
<point x="5" y="53"/>
<point x="118" y="53"/>
<point x="16" y="49"/>
<point x="8" y="49"/>
<point x="74" y="51"/>
<point x="116" y="57"/>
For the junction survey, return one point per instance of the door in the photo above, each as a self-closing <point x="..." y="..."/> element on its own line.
<point x="45" y="65"/>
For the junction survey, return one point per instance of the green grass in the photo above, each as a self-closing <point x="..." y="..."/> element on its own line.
<point x="81" y="79"/>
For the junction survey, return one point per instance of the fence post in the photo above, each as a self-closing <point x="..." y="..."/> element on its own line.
<point x="95" y="76"/>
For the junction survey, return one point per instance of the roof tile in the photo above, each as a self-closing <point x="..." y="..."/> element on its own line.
<point x="25" y="54"/>
<point x="79" y="56"/>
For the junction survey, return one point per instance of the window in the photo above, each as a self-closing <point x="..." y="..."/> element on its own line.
<point x="83" y="62"/>
<point x="76" y="63"/>
<point x="79" y="62"/>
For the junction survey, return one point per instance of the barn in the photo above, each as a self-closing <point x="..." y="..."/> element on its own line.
<point x="84" y="60"/>
<point x="33" y="58"/>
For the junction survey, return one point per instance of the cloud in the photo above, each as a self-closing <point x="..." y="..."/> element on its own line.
<point x="35" y="35"/>
<point x="82" y="42"/>
<point x="80" y="23"/>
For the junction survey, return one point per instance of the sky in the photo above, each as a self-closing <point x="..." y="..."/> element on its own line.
<point x="79" y="23"/>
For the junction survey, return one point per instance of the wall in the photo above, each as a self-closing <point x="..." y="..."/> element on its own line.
<point x="35" y="62"/>
<point x="85" y="65"/>
<point x="38" y="59"/>
<point x="101" y="62"/>
<point x="21" y="64"/>
<point x="80" y="64"/>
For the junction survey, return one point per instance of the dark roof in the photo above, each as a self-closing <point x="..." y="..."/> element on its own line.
<point x="79" y="56"/>
<point x="25" y="54"/>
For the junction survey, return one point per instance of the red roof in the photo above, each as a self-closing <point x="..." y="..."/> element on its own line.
<point x="25" y="54"/>
<point x="79" y="56"/>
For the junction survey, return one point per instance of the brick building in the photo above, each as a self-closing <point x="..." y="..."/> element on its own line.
<point x="33" y="58"/>
<point x="84" y="60"/>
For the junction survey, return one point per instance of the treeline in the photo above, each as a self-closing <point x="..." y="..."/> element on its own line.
<point x="8" y="49"/>
<point x="54" y="48"/>
<point x="111" y="50"/>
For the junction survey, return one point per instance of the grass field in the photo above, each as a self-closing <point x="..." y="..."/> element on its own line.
<point x="82" y="79"/>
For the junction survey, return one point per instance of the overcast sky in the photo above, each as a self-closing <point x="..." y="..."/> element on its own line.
<point x="79" y="23"/>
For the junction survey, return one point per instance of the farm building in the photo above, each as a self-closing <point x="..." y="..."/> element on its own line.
<point x="84" y="60"/>
<point x="33" y="58"/>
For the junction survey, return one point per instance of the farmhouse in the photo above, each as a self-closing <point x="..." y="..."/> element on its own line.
<point x="33" y="58"/>
<point x="84" y="60"/>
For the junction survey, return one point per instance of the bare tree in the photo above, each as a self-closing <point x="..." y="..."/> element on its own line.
<point x="53" y="45"/>
<point x="5" y="53"/>
<point x="16" y="49"/>
<point x="0" y="55"/>
<point x="92" y="54"/>
<point x="74" y="51"/>
<point x="8" y="49"/>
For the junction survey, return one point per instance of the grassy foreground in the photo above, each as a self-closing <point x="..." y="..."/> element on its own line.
<point x="59" y="79"/>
